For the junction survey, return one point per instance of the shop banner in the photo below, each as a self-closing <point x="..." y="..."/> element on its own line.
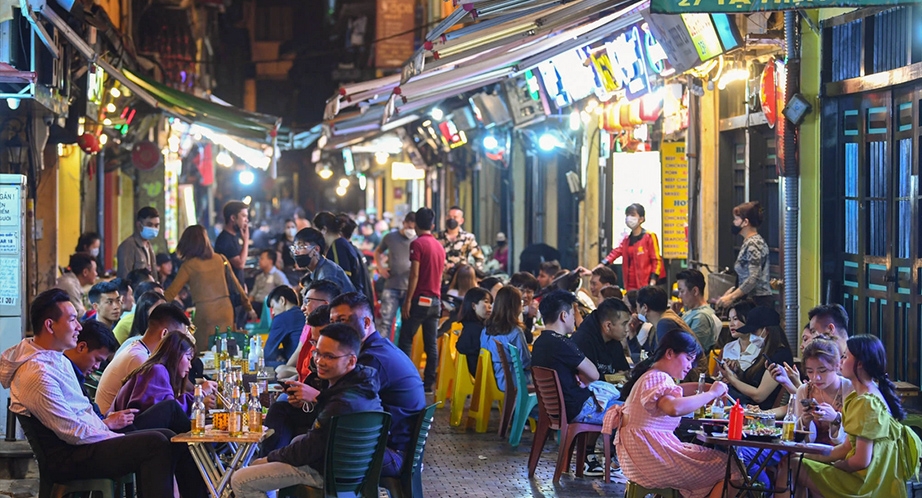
<point x="675" y="200"/>
<point x="745" y="6"/>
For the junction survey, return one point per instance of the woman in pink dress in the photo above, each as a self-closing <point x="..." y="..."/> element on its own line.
<point x="648" y="450"/>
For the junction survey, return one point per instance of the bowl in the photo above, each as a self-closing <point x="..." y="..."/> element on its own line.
<point x="800" y="436"/>
<point x="713" y="428"/>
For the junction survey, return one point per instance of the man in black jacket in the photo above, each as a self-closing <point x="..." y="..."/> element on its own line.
<point x="352" y="388"/>
<point x="599" y="336"/>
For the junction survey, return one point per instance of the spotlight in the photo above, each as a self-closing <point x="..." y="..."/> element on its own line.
<point x="341" y="191"/>
<point x="107" y="122"/>
<point x="490" y="142"/>
<point x="12" y="103"/>
<point x="246" y="177"/>
<point x="437" y="114"/>
<point x="344" y="182"/>
<point x="115" y="92"/>
<point x="110" y="108"/>
<point x="325" y="172"/>
<point x="547" y="142"/>
<point x="224" y="159"/>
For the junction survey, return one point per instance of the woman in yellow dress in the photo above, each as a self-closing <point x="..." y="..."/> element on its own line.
<point x="880" y="454"/>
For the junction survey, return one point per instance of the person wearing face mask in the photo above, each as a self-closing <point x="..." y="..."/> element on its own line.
<point x="641" y="262"/>
<point x="653" y="307"/>
<point x="308" y="251"/>
<point x="337" y="233"/>
<point x="754" y="281"/>
<point x="459" y="245"/>
<point x="89" y="243"/>
<point x="136" y="251"/>
<point x="285" y="240"/>
<point x="396" y="271"/>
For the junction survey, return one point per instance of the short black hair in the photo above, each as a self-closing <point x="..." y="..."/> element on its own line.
<point x="169" y="315"/>
<point x="411" y="217"/>
<point x="232" y="208"/>
<point x="693" y="278"/>
<point x="145" y="286"/>
<point x="653" y="297"/>
<point x="549" y="267"/>
<point x="636" y="209"/>
<point x="489" y="282"/>
<point x="137" y="276"/>
<point x="424" y="218"/>
<point x="80" y="261"/>
<point x="456" y="208"/>
<point x="348" y="338"/>
<point x="524" y="280"/>
<point x="554" y="303"/>
<point x="45" y="306"/>
<point x="355" y="301"/>
<point x="147" y="212"/>
<point x="284" y="291"/>
<point x="98" y="335"/>
<point x="328" y="287"/>
<point x="609" y="308"/>
<point x="272" y="254"/>
<point x="833" y="313"/>
<point x="100" y="288"/>
<point x="606" y="275"/>
<point x="312" y="236"/>
<point x="124" y="287"/>
<point x="631" y="296"/>
<point x="320" y="316"/>
<point x="163" y="258"/>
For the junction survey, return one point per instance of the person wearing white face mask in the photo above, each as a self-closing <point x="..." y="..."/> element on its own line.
<point x="642" y="264"/>
<point x="136" y="251"/>
<point x="89" y="243"/>
<point x="396" y="271"/>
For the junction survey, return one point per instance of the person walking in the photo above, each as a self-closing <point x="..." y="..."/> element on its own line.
<point x="422" y="306"/>
<point x="397" y="271"/>
<point x="135" y="251"/>
<point x="459" y="246"/>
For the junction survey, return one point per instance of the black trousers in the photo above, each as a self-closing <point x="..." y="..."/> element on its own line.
<point x="428" y="317"/>
<point x="166" y="414"/>
<point x="288" y="421"/>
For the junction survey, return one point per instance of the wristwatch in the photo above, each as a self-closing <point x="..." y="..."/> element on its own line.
<point x="838" y="420"/>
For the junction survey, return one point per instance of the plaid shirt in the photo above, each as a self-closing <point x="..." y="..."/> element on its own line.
<point x="460" y="251"/>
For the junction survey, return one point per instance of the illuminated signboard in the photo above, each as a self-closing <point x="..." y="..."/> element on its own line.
<point x="567" y="79"/>
<point x="553" y="85"/>
<point x="703" y="35"/>
<point x="626" y="52"/>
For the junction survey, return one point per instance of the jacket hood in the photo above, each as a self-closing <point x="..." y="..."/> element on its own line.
<point x="13" y="358"/>
<point x="361" y="382"/>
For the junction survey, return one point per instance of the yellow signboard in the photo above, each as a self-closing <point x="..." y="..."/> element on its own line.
<point x="675" y="200"/>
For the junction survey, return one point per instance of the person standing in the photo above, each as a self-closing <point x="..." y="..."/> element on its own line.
<point x="397" y="271"/>
<point x="753" y="279"/>
<point x="135" y="251"/>
<point x="459" y="245"/>
<point x="422" y="306"/>
<point x="234" y="241"/>
<point x="80" y="272"/>
<point x="642" y="264"/>
<point x="501" y="253"/>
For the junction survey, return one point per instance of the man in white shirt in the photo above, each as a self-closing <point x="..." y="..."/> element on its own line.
<point x="163" y="319"/>
<point x="268" y="279"/>
<point x="76" y="442"/>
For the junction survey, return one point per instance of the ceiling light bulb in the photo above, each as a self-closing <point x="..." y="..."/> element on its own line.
<point x="437" y="114"/>
<point x="381" y="157"/>
<point x="341" y="191"/>
<point x="344" y="182"/>
<point x="115" y="92"/>
<point x="107" y="122"/>
<point x="325" y="173"/>
<point x="110" y="108"/>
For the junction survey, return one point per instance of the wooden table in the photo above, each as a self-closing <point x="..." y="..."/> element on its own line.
<point x="748" y="488"/>
<point x="217" y="477"/>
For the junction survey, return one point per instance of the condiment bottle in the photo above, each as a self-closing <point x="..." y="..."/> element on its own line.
<point x="735" y="431"/>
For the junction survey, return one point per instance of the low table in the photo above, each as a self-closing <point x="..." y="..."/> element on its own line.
<point x="748" y="488"/>
<point x="216" y="475"/>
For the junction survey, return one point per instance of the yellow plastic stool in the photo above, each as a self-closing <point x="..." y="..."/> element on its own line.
<point x="418" y="353"/>
<point x="634" y="490"/>
<point x="446" y="373"/>
<point x="485" y="393"/>
<point x="462" y="388"/>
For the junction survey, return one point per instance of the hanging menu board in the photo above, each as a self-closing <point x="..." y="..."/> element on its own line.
<point x="394" y="32"/>
<point x="675" y="200"/>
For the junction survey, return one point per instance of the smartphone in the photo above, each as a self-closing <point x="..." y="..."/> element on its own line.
<point x="283" y="385"/>
<point x="768" y="361"/>
<point x="722" y="363"/>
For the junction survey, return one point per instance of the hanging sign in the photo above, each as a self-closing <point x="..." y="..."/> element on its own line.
<point x="626" y="53"/>
<point x="675" y="200"/>
<point x="767" y="95"/>
<point x="745" y="6"/>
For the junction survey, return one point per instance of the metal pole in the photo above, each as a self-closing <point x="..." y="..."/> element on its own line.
<point x="101" y="203"/>
<point x="790" y="182"/>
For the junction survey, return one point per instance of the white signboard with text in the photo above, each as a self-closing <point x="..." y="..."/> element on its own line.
<point x="636" y="178"/>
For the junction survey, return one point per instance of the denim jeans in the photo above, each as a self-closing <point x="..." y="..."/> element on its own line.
<point x="591" y="412"/>
<point x="428" y="317"/>
<point x="256" y="481"/>
<point x="391" y="299"/>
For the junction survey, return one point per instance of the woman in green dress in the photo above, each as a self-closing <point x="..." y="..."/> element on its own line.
<point x="880" y="454"/>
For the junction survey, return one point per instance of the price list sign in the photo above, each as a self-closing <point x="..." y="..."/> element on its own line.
<point x="675" y="200"/>
<point x="11" y="245"/>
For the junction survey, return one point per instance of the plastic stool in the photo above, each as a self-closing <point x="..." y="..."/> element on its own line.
<point x="418" y="353"/>
<point x="634" y="490"/>
<point x="446" y="371"/>
<point x="485" y="393"/>
<point x="462" y="388"/>
<point x="107" y="488"/>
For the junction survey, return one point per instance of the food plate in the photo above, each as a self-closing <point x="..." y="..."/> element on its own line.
<point x="765" y="434"/>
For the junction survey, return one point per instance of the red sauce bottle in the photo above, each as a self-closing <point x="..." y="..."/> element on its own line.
<point x="735" y="430"/>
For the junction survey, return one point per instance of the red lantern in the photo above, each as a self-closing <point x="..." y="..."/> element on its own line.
<point x="88" y="143"/>
<point x="145" y="155"/>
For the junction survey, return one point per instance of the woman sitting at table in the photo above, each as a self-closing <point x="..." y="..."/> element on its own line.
<point x="649" y="451"/>
<point x="164" y="376"/>
<point x="476" y="309"/>
<point x="880" y="454"/>
<point x="756" y="385"/>
<point x="504" y="326"/>
<point x="744" y="350"/>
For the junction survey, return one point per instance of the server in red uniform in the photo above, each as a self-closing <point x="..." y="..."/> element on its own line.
<point x="641" y="262"/>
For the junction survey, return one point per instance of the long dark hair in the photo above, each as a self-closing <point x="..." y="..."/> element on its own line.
<point x="146" y="302"/>
<point x="678" y="341"/>
<point x="775" y="340"/>
<point x="471" y="299"/>
<point x="506" y="310"/>
<point x="869" y="351"/>
<point x="169" y="353"/>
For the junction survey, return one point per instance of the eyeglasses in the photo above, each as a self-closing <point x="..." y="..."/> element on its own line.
<point x="327" y="356"/>
<point x="299" y="248"/>
<point x="324" y="301"/>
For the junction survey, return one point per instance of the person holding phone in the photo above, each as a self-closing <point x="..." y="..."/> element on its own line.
<point x="756" y="385"/>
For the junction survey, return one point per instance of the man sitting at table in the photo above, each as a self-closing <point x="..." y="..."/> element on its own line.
<point x="599" y="336"/>
<point x="352" y="388"/>
<point x="164" y="318"/>
<point x="76" y="442"/>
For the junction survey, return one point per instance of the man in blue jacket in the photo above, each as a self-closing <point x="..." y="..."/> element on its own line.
<point x="352" y="388"/>
<point x="287" y="324"/>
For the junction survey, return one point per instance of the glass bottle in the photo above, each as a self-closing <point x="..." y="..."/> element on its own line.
<point x="790" y="421"/>
<point x="262" y="375"/>
<point x="255" y="410"/>
<point x="198" y="412"/>
<point x="717" y="409"/>
<point x="702" y="410"/>
<point x="223" y="355"/>
<point x="235" y="415"/>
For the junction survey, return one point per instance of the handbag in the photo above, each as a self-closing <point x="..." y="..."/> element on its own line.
<point x="240" y="312"/>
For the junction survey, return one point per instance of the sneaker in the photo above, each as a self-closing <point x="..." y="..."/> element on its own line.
<point x="427" y="390"/>
<point x="618" y="477"/>
<point x="592" y="467"/>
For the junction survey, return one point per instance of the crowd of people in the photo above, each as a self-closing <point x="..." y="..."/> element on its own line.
<point x="341" y="344"/>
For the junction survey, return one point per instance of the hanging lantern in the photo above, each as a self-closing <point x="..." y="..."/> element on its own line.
<point x="88" y="143"/>
<point x="145" y="156"/>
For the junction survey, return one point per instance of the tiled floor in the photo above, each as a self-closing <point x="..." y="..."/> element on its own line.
<point x="464" y="463"/>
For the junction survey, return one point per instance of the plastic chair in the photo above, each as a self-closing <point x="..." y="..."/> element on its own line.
<point x="448" y="349"/>
<point x="265" y="321"/>
<point x="409" y="484"/>
<point x="553" y="416"/>
<point x="525" y="401"/>
<point x="485" y="393"/>
<point x="417" y="352"/>
<point x="505" y="415"/>
<point x="634" y="490"/>
<point x="48" y="488"/>
<point x="462" y="388"/>
<point x="352" y="465"/>
<point x="240" y="337"/>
